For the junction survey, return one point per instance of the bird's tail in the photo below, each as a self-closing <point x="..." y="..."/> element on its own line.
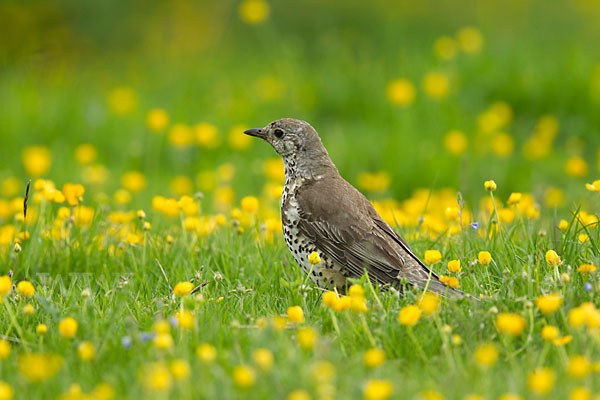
<point x="428" y="280"/>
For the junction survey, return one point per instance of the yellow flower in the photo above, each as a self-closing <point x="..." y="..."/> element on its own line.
<point x="86" y="351"/>
<point x="377" y="182"/>
<point x="577" y="317"/>
<point x="550" y="333"/>
<point x="502" y="144"/>
<point x="295" y="314"/>
<point x="37" y="367"/>
<point x="490" y="185"/>
<point x="429" y="303"/>
<point x="593" y="187"/>
<point x="103" y="391"/>
<point x="323" y="371"/>
<point x="484" y="257"/>
<point x="450" y="281"/>
<point x="206" y="352"/>
<point x="376" y="389"/>
<point x="436" y="85"/>
<point x="180" y="369"/>
<point x="181" y="185"/>
<point x="400" y="92"/>
<point x="511" y="324"/>
<point x="541" y="380"/>
<point x="85" y="153"/>
<point x="279" y="322"/>
<point x="236" y="138"/>
<point x="456" y="340"/>
<point x="207" y="135"/>
<point x="314" y="258"/>
<point x="554" y="197"/>
<point x="73" y="193"/>
<point x="298" y="395"/>
<point x="514" y="198"/>
<point x="183" y="288"/>
<point x="409" y="315"/>
<point x="180" y="136"/>
<point x="586" y="268"/>
<point x="156" y="377"/>
<point x="356" y="291"/>
<point x="163" y="340"/>
<point x="249" y="204"/>
<point x="10" y="187"/>
<point x="374" y="357"/>
<point x="122" y="100"/>
<point x="25" y="289"/>
<point x="36" y="160"/>
<point x="561" y="341"/>
<point x="552" y="258"/>
<point x="582" y="237"/>
<point x="157" y="120"/>
<point x="95" y="174"/>
<point x="578" y="366"/>
<point x="470" y="40"/>
<point x="454" y="266"/>
<point x="549" y="303"/>
<point x="452" y="213"/>
<point x="254" y="12"/>
<point x="576" y="167"/>
<point x="28" y="309"/>
<point x="274" y="170"/>
<point x="510" y="396"/>
<point x="5" y="285"/>
<point x="41" y="329"/>
<point x="430" y="395"/>
<point x="473" y="396"/>
<point x="185" y="319"/>
<point x="5" y="349"/>
<point x="263" y="358"/>
<point x="67" y="327"/>
<point x="133" y="181"/>
<point x="432" y="256"/>
<point x="343" y="303"/>
<point x="243" y="376"/>
<point x="306" y="338"/>
<point x="580" y="393"/>
<point x="6" y="391"/>
<point x="358" y="304"/>
<point x="455" y="142"/>
<point x="444" y="48"/>
<point x="330" y="299"/>
<point x="486" y="354"/>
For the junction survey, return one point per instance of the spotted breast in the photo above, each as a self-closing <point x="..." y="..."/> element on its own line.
<point x="326" y="274"/>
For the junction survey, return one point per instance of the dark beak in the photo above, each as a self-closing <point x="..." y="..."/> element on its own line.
<point x="257" y="132"/>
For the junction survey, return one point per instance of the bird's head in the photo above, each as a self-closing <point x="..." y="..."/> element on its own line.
<point x="290" y="137"/>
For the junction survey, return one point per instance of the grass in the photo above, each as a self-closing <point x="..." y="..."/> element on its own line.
<point x="93" y="260"/>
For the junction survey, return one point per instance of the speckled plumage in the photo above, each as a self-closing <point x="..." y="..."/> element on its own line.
<point x="322" y="212"/>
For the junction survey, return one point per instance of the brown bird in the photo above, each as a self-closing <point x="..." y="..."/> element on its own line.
<point x="321" y="212"/>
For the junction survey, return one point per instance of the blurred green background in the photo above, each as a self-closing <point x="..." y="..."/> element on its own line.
<point x="74" y="72"/>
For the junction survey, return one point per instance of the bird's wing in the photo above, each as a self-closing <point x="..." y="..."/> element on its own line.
<point x="344" y="225"/>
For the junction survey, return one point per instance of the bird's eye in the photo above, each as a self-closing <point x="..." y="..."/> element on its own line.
<point x="278" y="133"/>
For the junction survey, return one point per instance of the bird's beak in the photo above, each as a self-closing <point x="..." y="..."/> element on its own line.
<point x="257" y="132"/>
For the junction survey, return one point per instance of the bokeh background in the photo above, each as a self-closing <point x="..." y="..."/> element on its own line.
<point x="405" y="95"/>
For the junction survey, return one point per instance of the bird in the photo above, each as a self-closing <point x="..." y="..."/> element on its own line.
<point x="322" y="212"/>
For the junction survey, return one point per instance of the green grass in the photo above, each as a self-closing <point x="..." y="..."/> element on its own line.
<point x="333" y="61"/>
<point x="259" y="279"/>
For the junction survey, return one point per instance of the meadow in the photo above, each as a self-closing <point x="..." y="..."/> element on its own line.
<point x="150" y="262"/>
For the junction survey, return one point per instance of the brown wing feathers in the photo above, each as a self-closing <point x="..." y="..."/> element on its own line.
<point x="366" y="242"/>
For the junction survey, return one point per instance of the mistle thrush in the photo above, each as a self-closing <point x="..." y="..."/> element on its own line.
<point x="322" y="212"/>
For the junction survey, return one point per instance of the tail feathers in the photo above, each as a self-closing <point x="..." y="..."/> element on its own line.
<point x="428" y="280"/>
<point x="435" y="285"/>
